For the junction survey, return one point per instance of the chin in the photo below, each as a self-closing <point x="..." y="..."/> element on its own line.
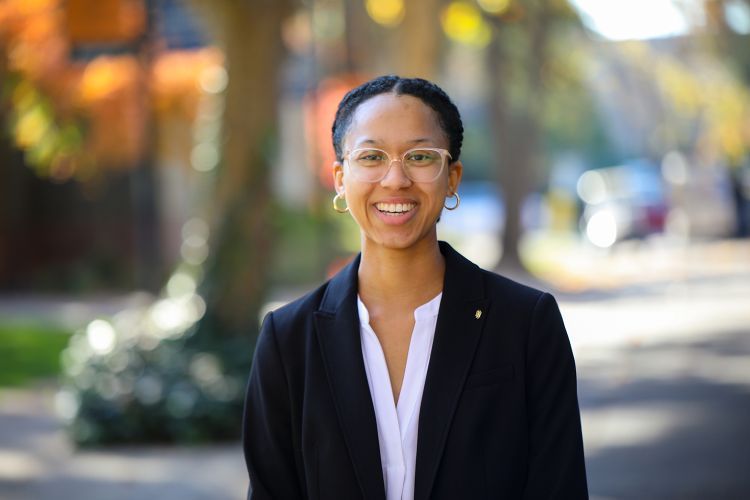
<point x="398" y="242"/>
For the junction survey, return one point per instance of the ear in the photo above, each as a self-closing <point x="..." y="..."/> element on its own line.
<point x="338" y="176"/>
<point x="455" y="171"/>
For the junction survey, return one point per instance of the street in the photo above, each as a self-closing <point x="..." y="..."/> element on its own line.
<point x="664" y="388"/>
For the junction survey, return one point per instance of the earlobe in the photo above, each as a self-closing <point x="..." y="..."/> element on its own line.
<point x="338" y="173"/>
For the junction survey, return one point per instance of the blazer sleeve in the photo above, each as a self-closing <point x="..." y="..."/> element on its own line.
<point x="266" y="436"/>
<point x="556" y="464"/>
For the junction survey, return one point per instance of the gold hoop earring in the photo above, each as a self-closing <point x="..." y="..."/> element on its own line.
<point x="458" y="202"/>
<point x="335" y="204"/>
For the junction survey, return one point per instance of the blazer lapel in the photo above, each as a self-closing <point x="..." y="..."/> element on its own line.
<point x="337" y="324"/>
<point x="459" y="326"/>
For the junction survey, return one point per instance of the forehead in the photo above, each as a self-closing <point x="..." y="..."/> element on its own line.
<point x="390" y="119"/>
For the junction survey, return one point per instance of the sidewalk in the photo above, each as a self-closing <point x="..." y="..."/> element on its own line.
<point x="664" y="389"/>
<point x="37" y="462"/>
<point x="570" y="265"/>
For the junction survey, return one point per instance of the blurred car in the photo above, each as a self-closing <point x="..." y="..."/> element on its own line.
<point x="703" y="204"/>
<point x="621" y="202"/>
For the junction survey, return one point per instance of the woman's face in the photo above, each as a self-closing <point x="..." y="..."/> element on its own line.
<point x="395" y="124"/>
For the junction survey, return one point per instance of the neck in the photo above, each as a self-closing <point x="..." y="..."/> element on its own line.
<point x="408" y="277"/>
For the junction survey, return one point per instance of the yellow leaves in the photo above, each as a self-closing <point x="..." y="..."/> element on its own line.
<point x="495" y="7"/>
<point x="50" y="147"/>
<point x="32" y="120"/>
<point x="730" y="120"/>
<point x="731" y="142"/>
<point x="463" y="22"/>
<point x="31" y="127"/>
<point x="705" y="105"/>
<point x="724" y="108"/>
<point x="680" y="87"/>
<point x="386" y="12"/>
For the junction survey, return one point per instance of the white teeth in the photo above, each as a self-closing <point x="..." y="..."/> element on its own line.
<point x="395" y="208"/>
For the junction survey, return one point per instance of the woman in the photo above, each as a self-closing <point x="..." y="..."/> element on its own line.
<point x="412" y="373"/>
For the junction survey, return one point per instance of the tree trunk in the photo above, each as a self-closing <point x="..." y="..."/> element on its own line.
<point x="418" y="40"/>
<point x="236" y="274"/>
<point x="517" y="124"/>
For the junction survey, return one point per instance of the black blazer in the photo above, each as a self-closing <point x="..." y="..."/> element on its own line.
<point x="499" y="415"/>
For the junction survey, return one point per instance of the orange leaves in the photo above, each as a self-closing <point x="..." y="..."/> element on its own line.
<point x="31" y="33"/>
<point x="105" y="77"/>
<point x="76" y="118"/>
<point x="319" y="111"/>
<point x="113" y="95"/>
<point x="175" y="80"/>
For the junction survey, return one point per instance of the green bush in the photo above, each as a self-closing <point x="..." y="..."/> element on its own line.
<point x="138" y="378"/>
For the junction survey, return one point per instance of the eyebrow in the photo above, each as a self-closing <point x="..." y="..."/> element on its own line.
<point x="413" y="141"/>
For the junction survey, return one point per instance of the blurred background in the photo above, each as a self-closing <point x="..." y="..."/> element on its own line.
<point x="165" y="180"/>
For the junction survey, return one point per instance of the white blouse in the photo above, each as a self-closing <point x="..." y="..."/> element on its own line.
<point x="397" y="424"/>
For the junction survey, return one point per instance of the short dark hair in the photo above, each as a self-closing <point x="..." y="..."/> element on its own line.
<point x="429" y="93"/>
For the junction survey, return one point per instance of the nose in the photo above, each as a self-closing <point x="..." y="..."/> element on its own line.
<point x="395" y="176"/>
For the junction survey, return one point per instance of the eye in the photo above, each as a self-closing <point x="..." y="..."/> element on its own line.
<point x="422" y="157"/>
<point x="369" y="157"/>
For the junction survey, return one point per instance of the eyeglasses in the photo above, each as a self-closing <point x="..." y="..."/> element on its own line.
<point x="419" y="164"/>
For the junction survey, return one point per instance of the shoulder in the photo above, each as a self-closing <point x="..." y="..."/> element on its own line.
<point x="287" y="332"/>
<point x="295" y="315"/>
<point x="499" y="286"/>
<point x="517" y="298"/>
<point x="293" y="324"/>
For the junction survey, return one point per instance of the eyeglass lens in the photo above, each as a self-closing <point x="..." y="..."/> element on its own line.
<point x="420" y="165"/>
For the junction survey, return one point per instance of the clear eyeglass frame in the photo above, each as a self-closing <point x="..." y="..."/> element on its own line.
<point x="444" y="156"/>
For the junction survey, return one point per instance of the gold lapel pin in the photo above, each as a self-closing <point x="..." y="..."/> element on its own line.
<point x="478" y="314"/>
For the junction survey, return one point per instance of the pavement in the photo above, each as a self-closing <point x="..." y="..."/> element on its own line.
<point x="664" y="389"/>
<point x="37" y="462"/>
<point x="664" y="385"/>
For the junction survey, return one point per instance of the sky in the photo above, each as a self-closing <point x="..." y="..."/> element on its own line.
<point x="634" y="19"/>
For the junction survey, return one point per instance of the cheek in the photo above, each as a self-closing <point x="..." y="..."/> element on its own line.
<point x="356" y="194"/>
<point x="442" y="190"/>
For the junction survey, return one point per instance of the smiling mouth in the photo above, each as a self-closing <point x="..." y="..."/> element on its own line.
<point x="395" y="208"/>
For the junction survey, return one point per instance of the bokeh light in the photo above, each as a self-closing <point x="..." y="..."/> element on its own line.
<point x="101" y="336"/>
<point x="591" y="187"/>
<point x="494" y="6"/>
<point x="386" y="12"/>
<point x="674" y="168"/>
<point x="738" y="16"/>
<point x="601" y="228"/>
<point x="463" y="23"/>
<point x="204" y="157"/>
<point x="214" y="79"/>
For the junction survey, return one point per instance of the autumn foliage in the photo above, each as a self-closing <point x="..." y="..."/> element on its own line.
<point x="77" y="117"/>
